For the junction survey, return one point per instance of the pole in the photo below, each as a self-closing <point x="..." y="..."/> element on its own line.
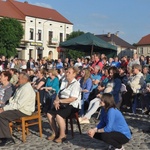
<point x="92" y="50"/>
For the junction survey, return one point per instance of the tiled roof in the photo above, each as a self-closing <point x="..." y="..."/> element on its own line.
<point x="25" y="9"/>
<point x="115" y="39"/>
<point x="144" y="40"/>
<point x="7" y="10"/>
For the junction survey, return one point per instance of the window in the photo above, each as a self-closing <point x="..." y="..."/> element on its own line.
<point x="39" y="35"/>
<point x="61" y="37"/>
<point x="141" y="50"/>
<point x="67" y="35"/>
<point x="31" y="33"/>
<point x="50" y="37"/>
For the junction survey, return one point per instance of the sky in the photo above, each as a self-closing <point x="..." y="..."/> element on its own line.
<point x="131" y="18"/>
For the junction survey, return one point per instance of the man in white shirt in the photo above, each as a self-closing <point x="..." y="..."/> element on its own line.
<point x="21" y="104"/>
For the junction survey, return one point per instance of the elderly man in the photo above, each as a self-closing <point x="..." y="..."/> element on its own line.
<point x="21" y="104"/>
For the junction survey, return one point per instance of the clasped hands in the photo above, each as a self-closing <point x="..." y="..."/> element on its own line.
<point x="56" y="104"/>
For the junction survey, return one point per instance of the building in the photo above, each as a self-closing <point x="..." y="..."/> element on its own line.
<point x="123" y="47"/>
<point x="44" y="28"/>
<point x="143" y="46"/>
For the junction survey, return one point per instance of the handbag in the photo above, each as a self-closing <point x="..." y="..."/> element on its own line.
<point x="51" y="92"/>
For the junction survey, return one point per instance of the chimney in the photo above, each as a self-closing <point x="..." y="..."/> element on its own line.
<point x="26" y="2"/>
<point x="109" y="34"/>
<point x="117" y="33"/>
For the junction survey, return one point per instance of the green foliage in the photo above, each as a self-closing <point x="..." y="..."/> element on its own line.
<point x="11" y="33"/>
<point x="74" y="34"/>
<point x="74" y="54"/>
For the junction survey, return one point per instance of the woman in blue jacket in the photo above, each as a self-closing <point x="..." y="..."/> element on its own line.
<point x="112" y="128"/>
<point x="86" y="86"/>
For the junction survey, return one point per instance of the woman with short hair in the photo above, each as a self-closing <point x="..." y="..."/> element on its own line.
<point x="6" y="88"/>
<point x="112" y="128"/>
<point x="66" y="102"/>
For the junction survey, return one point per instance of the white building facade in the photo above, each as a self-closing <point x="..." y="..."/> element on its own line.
<point x="42" y="38"/>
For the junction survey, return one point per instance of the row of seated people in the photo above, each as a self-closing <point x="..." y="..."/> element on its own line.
<point x="67" y="101"/>
<point x="130" y="88"/>
<point x="107" y="81"/>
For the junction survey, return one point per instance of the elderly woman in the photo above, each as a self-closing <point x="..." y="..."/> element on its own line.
<point x="66" y="102"/>
<point x="6" y="88"/>
<point x="112" y="128"/>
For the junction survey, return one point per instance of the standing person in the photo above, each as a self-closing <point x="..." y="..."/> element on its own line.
<point x="66" y="102"/>
<point x="20" y="105"/>
<point x="112" y="128"/>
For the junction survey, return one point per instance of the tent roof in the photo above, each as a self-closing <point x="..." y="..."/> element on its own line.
<point x="85" y="41"/>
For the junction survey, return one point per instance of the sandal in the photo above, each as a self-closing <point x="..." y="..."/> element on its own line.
<point x="51" y="138"/>
<point x="60" y="140"/>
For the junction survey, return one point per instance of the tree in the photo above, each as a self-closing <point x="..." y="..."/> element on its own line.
<point x="11" y="33"/>
<point x="73" y="54"/>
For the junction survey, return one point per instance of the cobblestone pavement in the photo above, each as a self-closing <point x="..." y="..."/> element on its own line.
<point x="137" y="123"/>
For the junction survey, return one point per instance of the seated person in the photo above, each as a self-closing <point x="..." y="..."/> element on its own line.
<point x="51" y="90"/>
<point x="86" y="85"/>
<point x="66" y="102"/>
<point x="95" y="95"/>
<point x="96" y="76"/>
<point x="14" y="76"/>
<point x="134" y="86"/>
<point x="146" y="74"/>
<point x="21" y="104"/>
<point x="145" y="100"/>
<point x="112" y="128"/>
<point x="40" y="81"/>
<point x="6" y="88"/>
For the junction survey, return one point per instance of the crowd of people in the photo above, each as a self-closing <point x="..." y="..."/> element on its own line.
<point x="84" y="86"/>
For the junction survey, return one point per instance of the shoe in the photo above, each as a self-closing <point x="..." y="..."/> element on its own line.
<point x="60" y="140"/>
<point x="7" y="142"/>
<point x="51" y="138"/>
<point x="122" y="148"/>
<point x="86" y="121"/>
